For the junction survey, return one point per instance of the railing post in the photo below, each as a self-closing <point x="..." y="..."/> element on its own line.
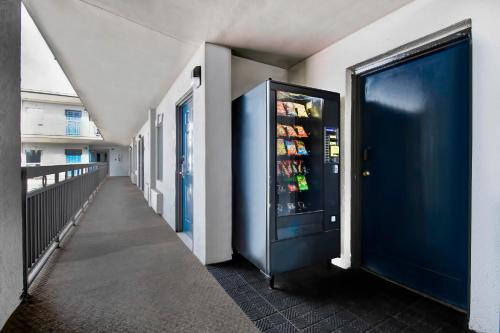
<point x="24" y="188"/>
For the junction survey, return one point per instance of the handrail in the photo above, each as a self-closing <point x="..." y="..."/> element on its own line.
<point x="37" y="171"/>
<point x="50" y="211"/>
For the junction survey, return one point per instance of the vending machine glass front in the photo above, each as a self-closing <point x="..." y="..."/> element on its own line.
<point x="299" y="163"/>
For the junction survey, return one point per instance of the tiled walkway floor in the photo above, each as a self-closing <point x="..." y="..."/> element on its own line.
<point x="321" y="300"/>
<point x="125" y="270"/>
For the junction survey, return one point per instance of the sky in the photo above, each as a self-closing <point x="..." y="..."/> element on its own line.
<point x="40" y="71"/>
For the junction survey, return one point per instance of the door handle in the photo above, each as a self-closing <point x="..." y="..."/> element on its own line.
<point x="366" y="173"/>
<point x="182" y="172"/>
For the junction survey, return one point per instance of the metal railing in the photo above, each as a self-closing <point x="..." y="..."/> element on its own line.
<point x="52" y="208"/>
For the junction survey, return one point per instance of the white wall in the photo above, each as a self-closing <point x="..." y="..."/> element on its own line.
<point x="53" y="153"/>
<point x="218" y="180"/>
<point x="223" y="76"/>
<point x="10" y="173"/>
<point x="327" y="70"/>
<point x="49" y="119"/>
<point x="167" y="107"/>
<point x="118" y="161"/>
<point x="246" y="74"/>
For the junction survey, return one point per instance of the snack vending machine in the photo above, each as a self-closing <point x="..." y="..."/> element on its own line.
<point x="286" y="176"/>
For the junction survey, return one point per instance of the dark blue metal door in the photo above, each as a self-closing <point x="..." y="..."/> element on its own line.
<point x="416" y="171"/>
<point x="187" y="167"/>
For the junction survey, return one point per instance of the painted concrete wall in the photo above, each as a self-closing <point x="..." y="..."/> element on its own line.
<point x="53" y="153"/>
<point x="218" y="182"/>
<point x="118" y="161"/>
<point x="180" y="88"/>
<point x="327" y="70"/>
<point x="10" y="173"/>
<point x="223" y="77"/>
<point x="49" y="119"/>
<point x="246" y="74"/>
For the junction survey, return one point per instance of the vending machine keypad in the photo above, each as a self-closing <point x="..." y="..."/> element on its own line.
<point x="332" y="148"/>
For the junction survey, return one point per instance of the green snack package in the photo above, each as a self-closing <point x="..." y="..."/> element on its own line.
<point x="302" y="183"/>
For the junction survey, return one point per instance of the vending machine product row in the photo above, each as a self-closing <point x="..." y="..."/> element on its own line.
<point x="286" y="176"/>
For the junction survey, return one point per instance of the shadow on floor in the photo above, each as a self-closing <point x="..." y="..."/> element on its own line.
<point x="318" y="299"/>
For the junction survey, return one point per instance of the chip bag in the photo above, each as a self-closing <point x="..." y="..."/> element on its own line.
<point x="290" y="109"/>
<point x="302" y="183"/>
<point x="301" y="110"/>
<point x="301" y="133"/>
<point x="293" y="165"/>
<point x="292" y="188"/>
<point x="280" y="147"/>
<point x="290" y="147"/>
<point x="280" y="130"/>
<point x="291" y="131"/>
<point x="301" y="147"/>
<point x="314" y="109"/>
<point x="299" y="166"/>
<point x="280" y="109"/>
<point x="286" y="168"/>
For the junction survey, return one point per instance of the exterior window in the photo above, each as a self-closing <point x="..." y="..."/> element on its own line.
<point x="73" y="118"/>
<point x="33" y="156"/>
<point x="159" y="152"/>
<point x="73" y="156"/>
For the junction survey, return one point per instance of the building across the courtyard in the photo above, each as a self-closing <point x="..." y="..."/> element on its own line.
<point x="56" y="129"/>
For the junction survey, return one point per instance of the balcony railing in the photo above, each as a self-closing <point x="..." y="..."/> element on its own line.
<point x="51" y="210"/>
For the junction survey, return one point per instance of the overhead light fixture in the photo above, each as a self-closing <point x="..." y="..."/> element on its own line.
<point x="196" y="77"/>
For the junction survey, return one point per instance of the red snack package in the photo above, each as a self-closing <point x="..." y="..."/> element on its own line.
<point x="292" y="188"/>
<point x="301" y="133"/>
<point x="290" y="130"/>
<point x="280" y="109"/>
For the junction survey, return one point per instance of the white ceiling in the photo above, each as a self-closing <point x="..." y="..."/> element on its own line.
<point x="121" y="56"/>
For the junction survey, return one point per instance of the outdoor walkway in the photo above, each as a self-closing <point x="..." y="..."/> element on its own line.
<point x="124" y="270"/>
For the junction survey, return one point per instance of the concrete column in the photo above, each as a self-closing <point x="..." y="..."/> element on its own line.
<point x="10" y="147"/>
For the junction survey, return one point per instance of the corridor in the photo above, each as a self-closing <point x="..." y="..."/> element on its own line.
<point x="124" y="270"/>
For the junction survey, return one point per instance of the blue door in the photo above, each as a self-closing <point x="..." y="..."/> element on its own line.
<point x="416" y="166"/>
<point x="186" y="159"/>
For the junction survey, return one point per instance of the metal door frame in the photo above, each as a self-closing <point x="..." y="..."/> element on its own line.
<point x="141" y="162"/>
<point x="420" y="47"/>
<point x="178" y="151"/>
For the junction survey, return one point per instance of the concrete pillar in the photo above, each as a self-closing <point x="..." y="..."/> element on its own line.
<point x="10" y="163"/>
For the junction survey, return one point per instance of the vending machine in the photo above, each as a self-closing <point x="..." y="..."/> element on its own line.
<point x="286" y="176"/>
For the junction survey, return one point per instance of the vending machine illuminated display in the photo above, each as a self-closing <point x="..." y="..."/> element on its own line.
<point x="286" y="176"/>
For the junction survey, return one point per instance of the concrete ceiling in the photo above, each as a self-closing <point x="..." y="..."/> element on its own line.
<point x="121" y="56"/>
